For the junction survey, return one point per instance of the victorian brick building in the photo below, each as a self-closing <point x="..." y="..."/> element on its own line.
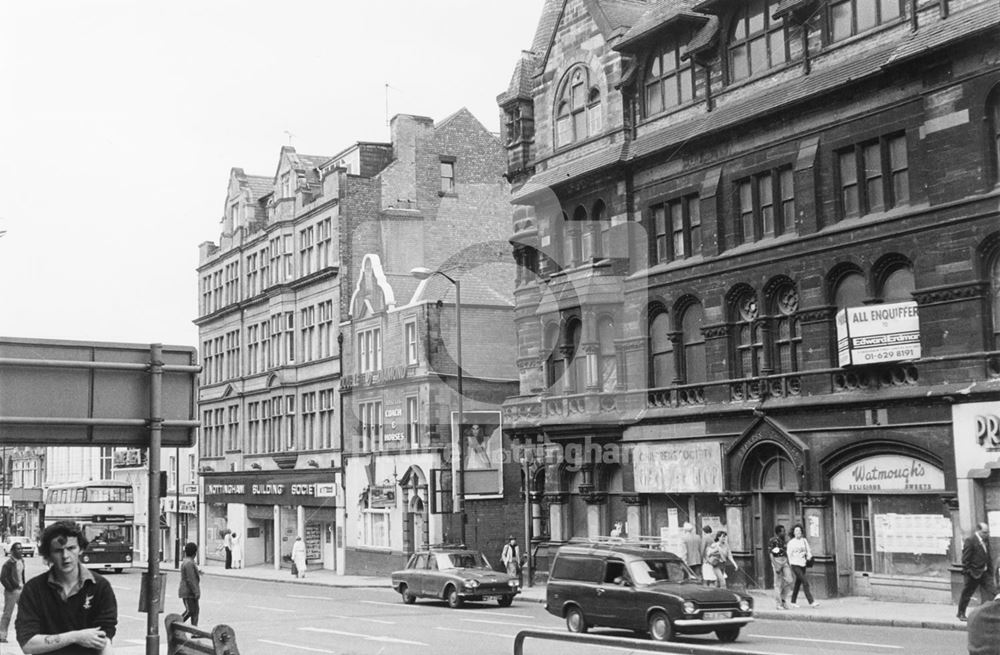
<point x="758" y="246"/>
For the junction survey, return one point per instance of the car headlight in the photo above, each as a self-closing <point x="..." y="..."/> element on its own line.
<point x="86" y="558"/>
<point x="688" y="607"/>
<point x="744" y="605"/>
<point x="128" y="558"/>
<point x="513" y="583"/>
<point x="472" y="584"/>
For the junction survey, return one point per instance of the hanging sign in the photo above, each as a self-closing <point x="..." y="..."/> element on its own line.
<point x="888" y="473"/>
<point x="878" y="333"/>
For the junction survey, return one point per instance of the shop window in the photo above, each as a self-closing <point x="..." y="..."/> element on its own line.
<point x="669" y="78"/>
<point x="661" y="349"/>
<point x="757" y="41"/>
<point x="880" y="529"/>
<point x="850" y="17"/>
<point x="861" y="536"/>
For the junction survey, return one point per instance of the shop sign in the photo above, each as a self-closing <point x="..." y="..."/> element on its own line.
<point x="976" y="427"/>
<point x="390" y="374"/>
<point x="888" y="473"/>
<point x="272" y="490"/>
<point x="678" y="467"/>
<point x="382" y="496"/>
<point x="393" y="419"/>
<point x="878" y="333"/>
<point x="187" y="505"/>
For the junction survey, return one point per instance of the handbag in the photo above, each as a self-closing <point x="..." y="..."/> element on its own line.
<point x="295" y="569"/>
<point x="809" y="562"/>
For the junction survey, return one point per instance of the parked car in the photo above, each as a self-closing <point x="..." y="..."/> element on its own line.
<point x="456" y="575"/>
<point x="640" y="589"/>
<point x="27" y="545"/>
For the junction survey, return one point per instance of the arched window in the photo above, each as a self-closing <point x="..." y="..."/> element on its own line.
<point x="661" y="351"/>
<point x="995" y="299"/>
<point x="578" y="110"/>
<point x="746" y="335"/>
<point x="785" y="329"/>
<point x="898" y="285"/>
<point x="554" y="361"/>
<point x="669" y="78"/>
<point x="693" y="344"/>
<point x="576" y="362"/>
<point x="595" y="242"/>
<point x="850" y="290"/>
<point x="608" y="362"/>
<point x="757" y="41"/>
<point x="993" y="114"/>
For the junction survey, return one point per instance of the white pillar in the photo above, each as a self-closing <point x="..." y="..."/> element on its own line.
<point x="276" y="514"/>
<point x="340" y="529"/>
<point x="300" y="521"/>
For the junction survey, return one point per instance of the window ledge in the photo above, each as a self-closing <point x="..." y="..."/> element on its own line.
<point x="447" y="194"/>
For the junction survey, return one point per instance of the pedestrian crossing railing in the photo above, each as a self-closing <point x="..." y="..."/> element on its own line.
<point x="184" y="639"/>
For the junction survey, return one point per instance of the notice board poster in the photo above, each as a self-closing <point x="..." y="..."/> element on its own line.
<point x="314" y="541"/>
<point x="928" y="534"/>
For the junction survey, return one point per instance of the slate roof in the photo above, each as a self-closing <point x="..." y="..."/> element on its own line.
<point x="596" y="161"/>
<point x="956" y="26"/>
<point x="259" y="185"/>
<point x="661" y="14"/>
<point x="520" y="82"/>
<point x="490" y="284"/>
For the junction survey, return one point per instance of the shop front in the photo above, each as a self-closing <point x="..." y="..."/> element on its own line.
<point x="268" y="510"/>
<point x="976" y="428"/>
<point x="677" y="481"/>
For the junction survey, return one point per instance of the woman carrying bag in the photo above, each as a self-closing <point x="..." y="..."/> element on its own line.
<point x="717" y="555"/>
<point x="799" y="557"/>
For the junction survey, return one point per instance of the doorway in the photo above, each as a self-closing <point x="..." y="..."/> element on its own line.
<point x="774" y="484"/>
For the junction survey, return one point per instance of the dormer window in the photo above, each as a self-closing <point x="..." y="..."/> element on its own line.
<point x="850" y="17"/>
<point x="757" y="41"/>
<point x="286" y="184"/>
<point x="669" y="78"/>
<point x="578" y="111"/>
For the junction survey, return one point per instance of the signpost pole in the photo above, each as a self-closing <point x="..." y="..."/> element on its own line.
<point x="153" y="519"/>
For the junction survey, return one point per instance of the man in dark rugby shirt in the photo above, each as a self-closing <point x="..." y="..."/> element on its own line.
<point x="67" y="610"/>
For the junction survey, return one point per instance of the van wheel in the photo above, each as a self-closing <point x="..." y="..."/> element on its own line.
<point x="728" y="635"/>
<point x="660" y="628"/>
<point x="408" y="597"/>
<point x="575" y="621"/>
<point x="119" y="570"/>
<point x="454" y="600"/>
<point x="505" y="601"/>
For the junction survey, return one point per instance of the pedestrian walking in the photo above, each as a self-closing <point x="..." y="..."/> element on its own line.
<point x="299" y="557"/>
<point x="707" y="571"/>
<point x="718" y="555"/>
<point x="692" y="547"/>
<point x="12" y="579"/>
<point x="984" y="629"/>
<point x="189" y="590"/>
<point x="237" y="548"/>
<point x="977" y="569"/>
<point x="799" y="557"/>
<point x="510" y="557"/>
<point x="67" y="609"/>
<point x="227" y="545"/>
<point x="780" y="567"/>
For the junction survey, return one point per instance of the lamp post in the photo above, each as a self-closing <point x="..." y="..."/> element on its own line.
<point x="458" y="487"/>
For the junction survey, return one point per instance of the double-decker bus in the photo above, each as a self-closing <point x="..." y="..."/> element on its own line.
<point x="105" y="510"/>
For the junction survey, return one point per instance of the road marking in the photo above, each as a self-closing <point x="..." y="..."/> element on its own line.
<point x="270" y="609"/>
<point x="134" y="618"/>
<point x="392" y="640"/>
<point x="830" y="641"/>
<point x="285" y="644"/>
<point x="309" y="597"/>
<point x="360" y="618"/>
<point x="514" y="616"/>
<point x="523" y="625"/>
<point x="379" y="602"/>
<point x="476" y="632"/>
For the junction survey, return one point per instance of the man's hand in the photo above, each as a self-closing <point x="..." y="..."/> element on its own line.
<point x="91" y="638"/>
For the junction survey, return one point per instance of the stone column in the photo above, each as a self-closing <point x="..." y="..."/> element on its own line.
<point x="739" y="522"/>
<point x="951" y="506"/>
<point x="557" y="514"/>
<point x="818" y="527"/>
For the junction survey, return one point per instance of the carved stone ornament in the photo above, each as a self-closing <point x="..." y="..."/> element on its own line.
<point x="734" y="498"/>
<point x="813" y="498"/>
<point x="632" y="500"/>
<point x="952" y="293"/>
<point x="950" y="502"/>
<point x="556" y="497"/>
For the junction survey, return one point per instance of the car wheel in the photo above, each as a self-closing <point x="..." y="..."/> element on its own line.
<point x="454" y="600"/>
<point x="119" y="570"/>
<point x="408" y="597"/>
<point x="575" y="621"/>
<point x="728" y="635"/>
<point x="660" y="628"/>
<point x="505" y="601"/>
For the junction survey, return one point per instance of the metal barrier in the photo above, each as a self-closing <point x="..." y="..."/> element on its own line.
<point x="625" y="642"/>
<point x="183" y="639"/>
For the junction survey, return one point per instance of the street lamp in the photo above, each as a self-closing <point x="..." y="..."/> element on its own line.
<point x="458" y="487"/>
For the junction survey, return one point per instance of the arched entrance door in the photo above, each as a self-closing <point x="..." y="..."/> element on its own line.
<point x="773" y="483"/>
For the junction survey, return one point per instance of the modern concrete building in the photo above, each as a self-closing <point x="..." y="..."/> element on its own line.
<point x="761" y="262"/>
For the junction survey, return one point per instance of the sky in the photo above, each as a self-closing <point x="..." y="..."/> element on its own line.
<point x="121" y="119"/>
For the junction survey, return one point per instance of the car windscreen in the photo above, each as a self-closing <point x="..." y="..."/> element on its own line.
<point x="468" y="560"/>
<point x="647" y="571"/>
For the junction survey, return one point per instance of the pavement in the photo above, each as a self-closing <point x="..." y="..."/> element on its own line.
<point x="858" y="610"/>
